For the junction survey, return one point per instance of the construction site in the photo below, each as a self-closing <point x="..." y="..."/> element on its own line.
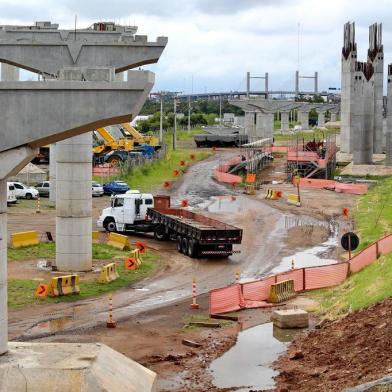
<point x="249" y="255"/>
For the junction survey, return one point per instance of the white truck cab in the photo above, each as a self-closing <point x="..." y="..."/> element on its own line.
<point x="126" y="212"/>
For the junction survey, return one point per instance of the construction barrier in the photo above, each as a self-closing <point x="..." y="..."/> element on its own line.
<point x="253" y="294"/>
<point x="250" y="189"/>
<point x="227" y="299"/>
<point x="95" y="236"/>
<point x="273" y="195"/>
<point x="352" y="188"/>
<point x="364" y="258"/>
<point x="64" y="285"/>
<point x="226" y="177"/>
<point x="136" y="254"/>
<point x="293" y="199"/>
<point x="118" y="241"/>
<point x="108" y="273"/>
<point x="25" y="238"/>
<point x="282" y="291"/>
<point x="325" y="276"/>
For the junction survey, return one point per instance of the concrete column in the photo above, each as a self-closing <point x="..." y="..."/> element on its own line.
<point x="284" y="121"/>
<point x="249" y="123"/>
<point x="74" y="204"/>
<point x="3" y="268"/>
<point x="333" y="117"/>
<point x="260" y="125"/>
<point x="388" y="134"/>
<point x="304" y="119"/>
<point x="321" y="119"/>
<point x="52" y="174"/>
<point x="269" y="128"/>
<point x="9" y="72"/>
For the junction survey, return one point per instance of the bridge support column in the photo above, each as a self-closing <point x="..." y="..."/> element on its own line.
<point x="388" y="135"/>
<point x="321" y="119"/>
<point x="3" y="268"/>
<point x="52" y="174"/>
<point x="249" y="123"/>
<point x="333" y="117"/>
<point x="284" y="122"/>
<point x="260" y="117"/>
<point x="304" y="119"/>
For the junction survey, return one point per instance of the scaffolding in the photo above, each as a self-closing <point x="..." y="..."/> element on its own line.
<point x="312" y="155"/>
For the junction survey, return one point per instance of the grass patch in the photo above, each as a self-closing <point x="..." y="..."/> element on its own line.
<point x="182" y="135"/>
<point x="21" y="291"/>
<point x="148" y="177"/>
<point x="373" y="217"/>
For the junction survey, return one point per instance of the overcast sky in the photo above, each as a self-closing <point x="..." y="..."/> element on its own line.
<point x="217" y="41"/>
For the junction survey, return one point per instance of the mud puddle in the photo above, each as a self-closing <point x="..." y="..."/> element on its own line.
<point x="51" y="326"/>
<point x="224" y="204"/>
<point x="248" y="364"/>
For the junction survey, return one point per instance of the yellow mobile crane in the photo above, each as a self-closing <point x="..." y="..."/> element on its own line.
<point x="111" y="143"/>
<point x="131" y="133"/>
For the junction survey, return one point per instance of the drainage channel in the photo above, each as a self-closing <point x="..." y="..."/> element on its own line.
<point x="248" y="364"/>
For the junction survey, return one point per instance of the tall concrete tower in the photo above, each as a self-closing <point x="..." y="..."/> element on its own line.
<point x="349" y="58"/>
<point x="388" y="158"/>
<point x="376" y="58"/>
<point x="362" y="113"/>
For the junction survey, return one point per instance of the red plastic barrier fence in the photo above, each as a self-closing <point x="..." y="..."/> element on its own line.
<point x="227" y="178"/>
<point x="385" y="245"/>
<point x="257" y="290"/>
<point x="296" y="275"/>
<point x="364" y="258"/>
<point x="325" y="276"/>
<point x="355" y="189"/>
<point x="316" y="183"/>
<point x="227" y="299"/>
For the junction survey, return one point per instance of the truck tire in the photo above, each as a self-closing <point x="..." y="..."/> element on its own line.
<point x="160" y="233"/>
<point x="192" y="249"/>
<point x="179" y="243"/>
<point x="110" y="225"/>
<point x="184" y="245"/>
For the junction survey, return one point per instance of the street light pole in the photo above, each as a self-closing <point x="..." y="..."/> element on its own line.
<point x="189" y="113"/>
<point x="161" y="122"/>
<point x="175" y="125"/>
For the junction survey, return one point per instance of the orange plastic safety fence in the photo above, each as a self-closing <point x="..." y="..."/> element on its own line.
<point x="364" y="258"/>
<point x="355" y="189"/>
<point x="258" y="290"/>
<point x="385" y="245"/>
<point x="227" y="178"/>
<point x="227" y="299"/>
<point x="325" y="276"/>
<point x="296" y="275"/>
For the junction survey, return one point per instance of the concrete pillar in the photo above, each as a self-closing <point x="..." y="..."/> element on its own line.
<point x="260" y="125"/>
<point x="269" y="126"/>
<point x="9" y="72"/>
<point x="3" y="268"/>
<point x="74" y="204"/>
<point x="52" y="174"/>
<point x="321" y="119"/>
<point x="284" y="121"/>
<point x="333" y="117"/>
<point x="249" y="123"/>
<point x="388" y="134"/>
<point x="362" y="118"/>
<point x="304" y="119"/>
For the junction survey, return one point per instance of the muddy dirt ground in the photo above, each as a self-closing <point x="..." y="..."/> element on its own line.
<point x="342" y="354"/>
<point x="151" y="314"/>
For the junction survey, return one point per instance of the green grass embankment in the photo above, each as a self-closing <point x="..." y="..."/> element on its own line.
<point x="373" y="217"/>
<point x="21" y="291"/>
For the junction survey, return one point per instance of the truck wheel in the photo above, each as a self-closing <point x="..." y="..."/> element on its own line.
<point x="179" y="244"/>
<point x="192" y="248"/>
<point x="110" y="225"/>
<point x="160" y="233"/>
<point x="184" y="243"/>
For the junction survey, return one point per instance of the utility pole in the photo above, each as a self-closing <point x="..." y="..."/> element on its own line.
<point x="161" y="121"/>
<point x="175" y="125"/>
<point x="189" y="113"/>
<point x="220" y="110"/>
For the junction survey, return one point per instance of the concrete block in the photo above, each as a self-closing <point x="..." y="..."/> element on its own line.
<point x="48" y="367"/>
<point x="290" y="318"/>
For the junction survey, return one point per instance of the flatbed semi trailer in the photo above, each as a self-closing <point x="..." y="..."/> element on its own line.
<point x="196" y="235"/>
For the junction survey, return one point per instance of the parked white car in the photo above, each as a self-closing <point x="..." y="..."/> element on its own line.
<point x="97" y="189"/>
<point x="22" y="191"/>
<point x="11" y="196"/>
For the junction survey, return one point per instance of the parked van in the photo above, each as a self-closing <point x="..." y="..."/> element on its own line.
<point x="11" y="193"/>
